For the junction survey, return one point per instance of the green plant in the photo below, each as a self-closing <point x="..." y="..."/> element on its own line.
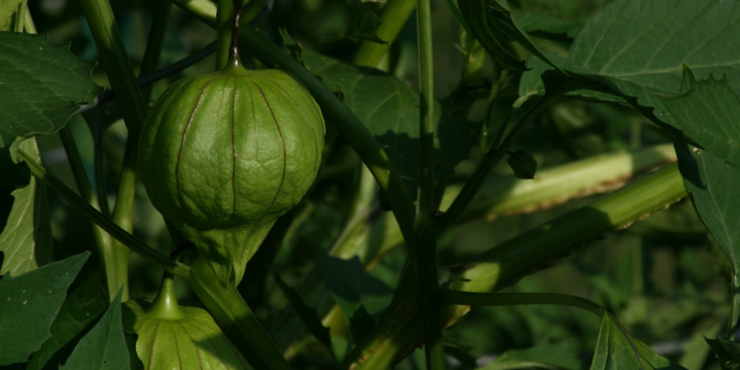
<point x="394" y="222"/>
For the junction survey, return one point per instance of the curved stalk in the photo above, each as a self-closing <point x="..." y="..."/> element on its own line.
<point x="460" y="298"/>
<point x="155" y="43"/>
<point x="38" y="171"/>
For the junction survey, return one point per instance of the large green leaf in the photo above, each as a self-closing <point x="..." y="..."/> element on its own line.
<point x="26" y="240"/>
<point x="616" y="350"/>
<point x="28" y="305"/>
<point x="41" y="86"/>
<point x="544" y="355"/>
<point x="641" y="49"/>
<point x="390" y="111"/>
<point x="104" y="347"/>
<point x="75" y="319"/>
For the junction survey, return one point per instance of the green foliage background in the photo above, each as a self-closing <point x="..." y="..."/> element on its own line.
<point x="665" y="279"/>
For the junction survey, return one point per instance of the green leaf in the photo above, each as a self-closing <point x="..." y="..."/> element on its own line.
<point x="390" y="111"/>
<point x="26" y="241"/>
<point x="28" y="305"/>
<point x="493" y="27"/>
<point x="41" y="86"/>
<point x="523" y="164"/>
<point x="360" y="323"/>
<point x="545" y="355"/>
<point x="365" y="27"/>
<point x="725" y="350"/>
<point x="712" y="188"/>
<point x="364" y="22"/>
<point x="544" y="22"/>
<point x="308" y="315"/>
<point x="83" y="307"/>
<point x="104" y="347"/>
<point x="351" y="286"/>
<point x="616" y="350"/>
<point x="640" y="49"/>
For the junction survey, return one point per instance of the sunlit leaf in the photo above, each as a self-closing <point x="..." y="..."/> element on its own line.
<point x="41" y="86"/>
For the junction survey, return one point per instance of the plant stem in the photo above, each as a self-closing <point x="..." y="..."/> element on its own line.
<point x="155" y="43"/>
<point x="131" y="102"/>
<point x="224" y="28"/>
<point x="732" y="321"/>
<point x="114" y="230"/>
<point x="235" y="318"/>
<point x="425" y="240"/>
<point x="528" y="110"/>
<point x="114" y="59"/>
<point x="523" y="255"/>
<point x="559" y="237"/>
<point x="75" y="162"/>
<point x="392" y="19"/>
<point x="457" y="297"/>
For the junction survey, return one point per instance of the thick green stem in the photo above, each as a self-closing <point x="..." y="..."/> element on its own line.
<point x="235" y="318"/>
<point x="114" y="230"/>
<point x="104" y="244"/>
<point x="424" y="243"/>
<point x="131" y="102"/>
<point x="392" y="19"/>
<point x="155" y="43"/>
<point x="533" y="250"/>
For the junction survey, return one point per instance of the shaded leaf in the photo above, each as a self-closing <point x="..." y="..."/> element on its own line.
<point x="616" y="350"/>
<point x="76" y="317"/>
<point x="725" y="350"/>
<point x="351" y="286"/>
<point x="365" y="27"/>
<point x="41" y="86"/>
<point x="104" y="347"/>
<point x="28" y="305"/>
<point x="390" y="111"/>
<point x="131" y="339"/>
<point x="308" y="315"/>
<point x="545" y="355"/>
<point x="493" y="27"/>
<point x="523" y="164"/>
<point x="26" y="240"/>
<point x="360" y="323"/>
<point x="364" y="22"/>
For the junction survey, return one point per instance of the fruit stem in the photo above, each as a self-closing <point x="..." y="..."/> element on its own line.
<point x="234" y="60"/>
<point x="165" y="306"/>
